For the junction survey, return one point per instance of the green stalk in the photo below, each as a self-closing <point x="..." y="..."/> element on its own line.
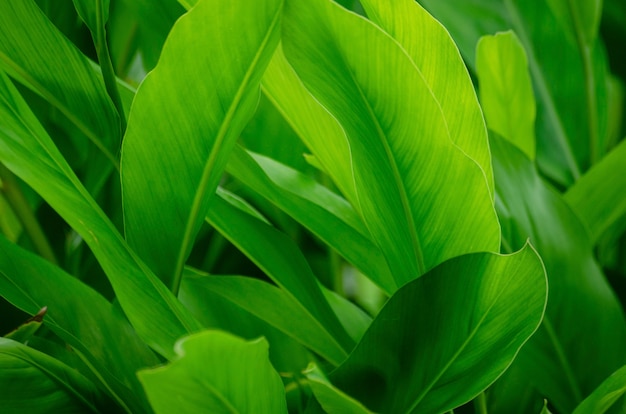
<point x="104" y="58"/>
<point x="480" y="403"/>
<point x="15" y="197"/>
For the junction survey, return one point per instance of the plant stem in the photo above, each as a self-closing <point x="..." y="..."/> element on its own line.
<point x="480" y="403"/>
<point x="104" y="58"/>
<point x="15" y="197"/>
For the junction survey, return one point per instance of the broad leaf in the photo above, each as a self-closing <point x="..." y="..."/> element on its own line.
<point x="29" y="153"/>
<point x="506" y="91"/>
<point x="481" y="309"/>
<point x="430" y="47"/>
<point x="583" y="316"/>
<point x="33" y="382"/>
<point x="34" y="52"/>
<point x="605" y="396"/>
<point x="598" y="197"/>
<point x="184" y="122"/>
<point x="216" y="372"/>
<point x="325" y="214"/>
<point x="80" y="316"/>
<point x="280" y="259"/>
<point x="398" y="140"/>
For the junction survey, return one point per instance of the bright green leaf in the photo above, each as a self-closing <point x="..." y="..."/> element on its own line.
<point x="605" y="396"/>
<point x="598" y="197"/>
<point x="216" y="372"/>
<point x="481" y="309"/>
<point x="30" y="154"/>
<point x="33" y="382"/>
<point x="184" y="122"/>
<point x="506" y="91"/>
<point x="398" y="140"/>
<point x="438" y="60"/>
<point x="330" y="398"/>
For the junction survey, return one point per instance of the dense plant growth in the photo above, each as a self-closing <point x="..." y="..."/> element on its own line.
<point x="272" y="206"/>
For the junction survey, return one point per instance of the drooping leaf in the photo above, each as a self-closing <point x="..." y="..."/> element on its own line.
<point x="325" y="214"/>
<point x="33" y="382"/>
<point x="30" y="154"/>
<point x="218" y="373"/>
<point x="184" y="122"/>
<point x="481" y="307"/>
<point x="598" y="197"/>
<point x="430" y="47"/>
<point x="583" y="316"/>
<point x="565" y="120"/>
<point x="605" y="396"/>
<point x="280" y="259"/>
<point x="35" y="53"/>
<point x="506" y="91"/>
<point x="398" y="140"/>
<point x="80" y="316"/>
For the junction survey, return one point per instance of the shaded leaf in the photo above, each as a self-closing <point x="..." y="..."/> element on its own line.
<point x="506" y="91"/>
<point x="398" y="140"/>
<point x="481" y="309"/>
<point x="218" y="373"/>
<point x="181" y="131"/>
<point x="94" y="13"/>
<point x="26" y="330"/>
<point x="330" y="398"/>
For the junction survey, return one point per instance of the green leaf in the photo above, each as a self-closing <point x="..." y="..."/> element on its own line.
<point x="398" y="140"/>
<point x="218" y="373"/>
<point x="26" y="330"/>
<point x="317" y="127"/>
<point x="33" y="382"/>
<point x="598" y="197"/>
<point x="545" y="409"/>
<point x="35" y="53"/>
<point x="605" y="396"/>
<point x="481" y="309"/>
<point x="325" y="214"/>
<point x="556" y="359"/>
<point x="30" y="154"/>
<point x="579" y="18"/>
<point x="81" y="317"/>
<point x="270" y="304"/>
<point x="181" y="131"/>
<point x="430" y="47"/>
<point x="567" y="125"/>
<point x="94" y="13"/>
<point x="280" y="259"/>
<point x="330" y="398"/>
<point x="506" y="91"/>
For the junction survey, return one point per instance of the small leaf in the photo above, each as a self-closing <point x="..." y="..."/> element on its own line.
<point x="216" y="372"/>
<point x="25" y="331"/>
<point x="330" y="398"/>
<point x="605" y="396"/>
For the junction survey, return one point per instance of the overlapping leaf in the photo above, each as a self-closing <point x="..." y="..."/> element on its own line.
<point x="30" y="154"/>
<point x="185" y="119"/>
<point x="481" y="309"/>
<point x="398" y="140"/>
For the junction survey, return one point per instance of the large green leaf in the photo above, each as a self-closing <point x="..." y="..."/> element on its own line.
<point x="583" y="316"/>
<point x="325" y="214"/>
<point x="506" y="91"/>
<point x="398" y="140"/>
<point x="280" y="259"/>
<point x="605" y="396"/>
<point x="445" y="337"/>
<point x="34" y="52"/>
<point x="598" y="197"/>
<point x="29" y="153"/>
<point x="565" y="122"/>
<point x="437" y="58"/>
<point x="78" y="315"/>
<point x="184" y="121"/>
<point x="216" y="372"/>
<point x="33" y="382"/>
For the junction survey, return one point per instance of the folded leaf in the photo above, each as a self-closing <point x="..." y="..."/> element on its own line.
<point x="442" y="339"/>
<point x="185" y="119"/>
<point x="506" y="91"/>
<point x="398" y="140"/>
<point x="216" y="372"/>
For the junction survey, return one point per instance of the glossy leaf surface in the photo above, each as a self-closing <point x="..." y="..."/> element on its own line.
<point x="397" y="135"/>
<point x="218" y="373"/>
<point x="182" y="126"/>
<point x="482" y="308"/>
